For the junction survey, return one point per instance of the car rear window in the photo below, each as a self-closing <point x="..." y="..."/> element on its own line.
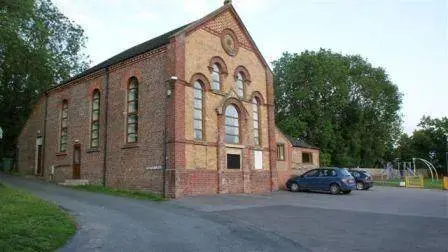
<point x="366" y="174"/>
<point x="345" y="172"/>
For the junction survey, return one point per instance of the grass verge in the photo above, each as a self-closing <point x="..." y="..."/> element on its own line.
<point x="428" y="183"/>
<point x="31" y="224"/>
<point x="119" y="192"/>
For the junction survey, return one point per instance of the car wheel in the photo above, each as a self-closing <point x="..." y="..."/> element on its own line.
<point x="295" y="187"/>
<point x="347" y="191"/>
<point x="360" y="185"/>
<point x="335" y="189"/>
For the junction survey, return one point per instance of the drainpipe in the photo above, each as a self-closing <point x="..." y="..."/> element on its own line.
<point x="45" y="133"/>
<point x="106" y="116"/>
<point x="165" y="152"/>
<point x="169" y="83"/>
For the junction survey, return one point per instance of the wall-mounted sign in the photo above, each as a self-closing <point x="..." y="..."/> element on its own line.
<point x="258" y="155"/>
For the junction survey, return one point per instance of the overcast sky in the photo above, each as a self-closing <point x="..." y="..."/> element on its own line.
<point x="407" y="38"/>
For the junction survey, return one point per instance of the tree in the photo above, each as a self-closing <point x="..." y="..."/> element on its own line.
<point x="429" y="142"/>
<point x="38" y="47"/>
<point x="340" y="103"/>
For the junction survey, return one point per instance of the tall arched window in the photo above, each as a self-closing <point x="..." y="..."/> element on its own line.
<point x="64" y="127"/>
<point x="216" y="77"/>
<point x="197" y="110"/>
<point x="256" y="120"/>
<point x="95" y="120"/>
<point x="232" y="125"/>
<point x="240" y="84"/>
<point x="132" y="111"/>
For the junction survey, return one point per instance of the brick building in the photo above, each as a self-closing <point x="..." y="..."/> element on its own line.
<point x="189" y="112"/>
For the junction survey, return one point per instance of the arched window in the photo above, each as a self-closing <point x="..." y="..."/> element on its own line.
<point x="197" y="110"/>
<point x="64" y="127"/>
<point x="95" y="120"/>
<point x="232" y="125"/>
<point x="132" y="111"/>
<point x="216" y="77"/>
<point x="240" y="84"/>
<point x="256" y="120"/>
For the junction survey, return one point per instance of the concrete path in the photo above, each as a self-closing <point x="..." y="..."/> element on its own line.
<point x="383" y="219"/>
<point x="108" y="223"/>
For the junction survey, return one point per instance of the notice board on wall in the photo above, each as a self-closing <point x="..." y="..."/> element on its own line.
<point x="258" y="155"/>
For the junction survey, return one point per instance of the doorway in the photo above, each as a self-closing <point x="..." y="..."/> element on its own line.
<point x="39" y="160"/>
<point x="39" y="171"/>
<point x="77" y="161"/>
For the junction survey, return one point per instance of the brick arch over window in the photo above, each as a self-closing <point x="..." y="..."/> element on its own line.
<point x="246" y="75"/>
<point x="257" y="95"/>
<point x="132" y="73"/>
<point x="202" y="78"/>
<point x="95" y="85"/>
<point x="232" y="100"/>
<point x="221" y="64"/>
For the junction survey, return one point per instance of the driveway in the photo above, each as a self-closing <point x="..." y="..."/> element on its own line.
<point x="389" y="219"/>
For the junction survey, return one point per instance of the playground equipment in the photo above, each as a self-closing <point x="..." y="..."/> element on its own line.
<point x="431" y="167"/>
<point x="408" y="169"/>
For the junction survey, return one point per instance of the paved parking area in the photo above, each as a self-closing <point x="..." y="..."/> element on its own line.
<point x="381" y="219"/>
<point x="387" y="200"/>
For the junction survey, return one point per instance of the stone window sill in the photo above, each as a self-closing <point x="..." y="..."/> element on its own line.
<point x="200" y="142"/>
<point x="218" y="92"/>
<point x="61" y="153"/>
<point x="130" y="146"/>
<point x="91" y="150"/>
<point x="238" y="146"/>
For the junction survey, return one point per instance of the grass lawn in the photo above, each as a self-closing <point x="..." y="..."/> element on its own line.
<point x="28" y="223"/>
<point x="119" y="192"/>
<point x="428" y="183"/>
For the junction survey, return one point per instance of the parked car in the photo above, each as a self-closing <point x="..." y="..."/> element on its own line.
<point x="333" y="180"/>
<point x="363" y="179"/>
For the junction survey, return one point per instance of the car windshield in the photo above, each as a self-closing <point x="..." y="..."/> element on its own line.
<point x="345" y="172"/>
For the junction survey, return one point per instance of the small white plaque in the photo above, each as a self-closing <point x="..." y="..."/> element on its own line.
<point x="258" y="155"/>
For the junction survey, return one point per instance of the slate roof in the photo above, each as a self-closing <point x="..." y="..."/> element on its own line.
<point x="129" y="53"/>
<point x="301" y="143"/>
<point x="158" y="42"/>
<point x="297" y="142"/>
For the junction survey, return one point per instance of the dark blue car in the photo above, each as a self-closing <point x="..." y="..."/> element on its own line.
<point x="363" y="179"/>
<point x="333" y="180"/>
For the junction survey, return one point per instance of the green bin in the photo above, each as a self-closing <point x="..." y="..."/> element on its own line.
<point x="7" y="164"/>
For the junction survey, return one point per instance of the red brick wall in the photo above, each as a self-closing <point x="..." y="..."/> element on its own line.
<point x="232" y="182"/>
<point x="260" y="181"/>
<point x="79" y="98"/>
<point x="197" y="182"/>
<point x="293" y="160"/>
<point x="135" y="166"/>
<point x="138" y="165"/>
<point x="27" y="138"/>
